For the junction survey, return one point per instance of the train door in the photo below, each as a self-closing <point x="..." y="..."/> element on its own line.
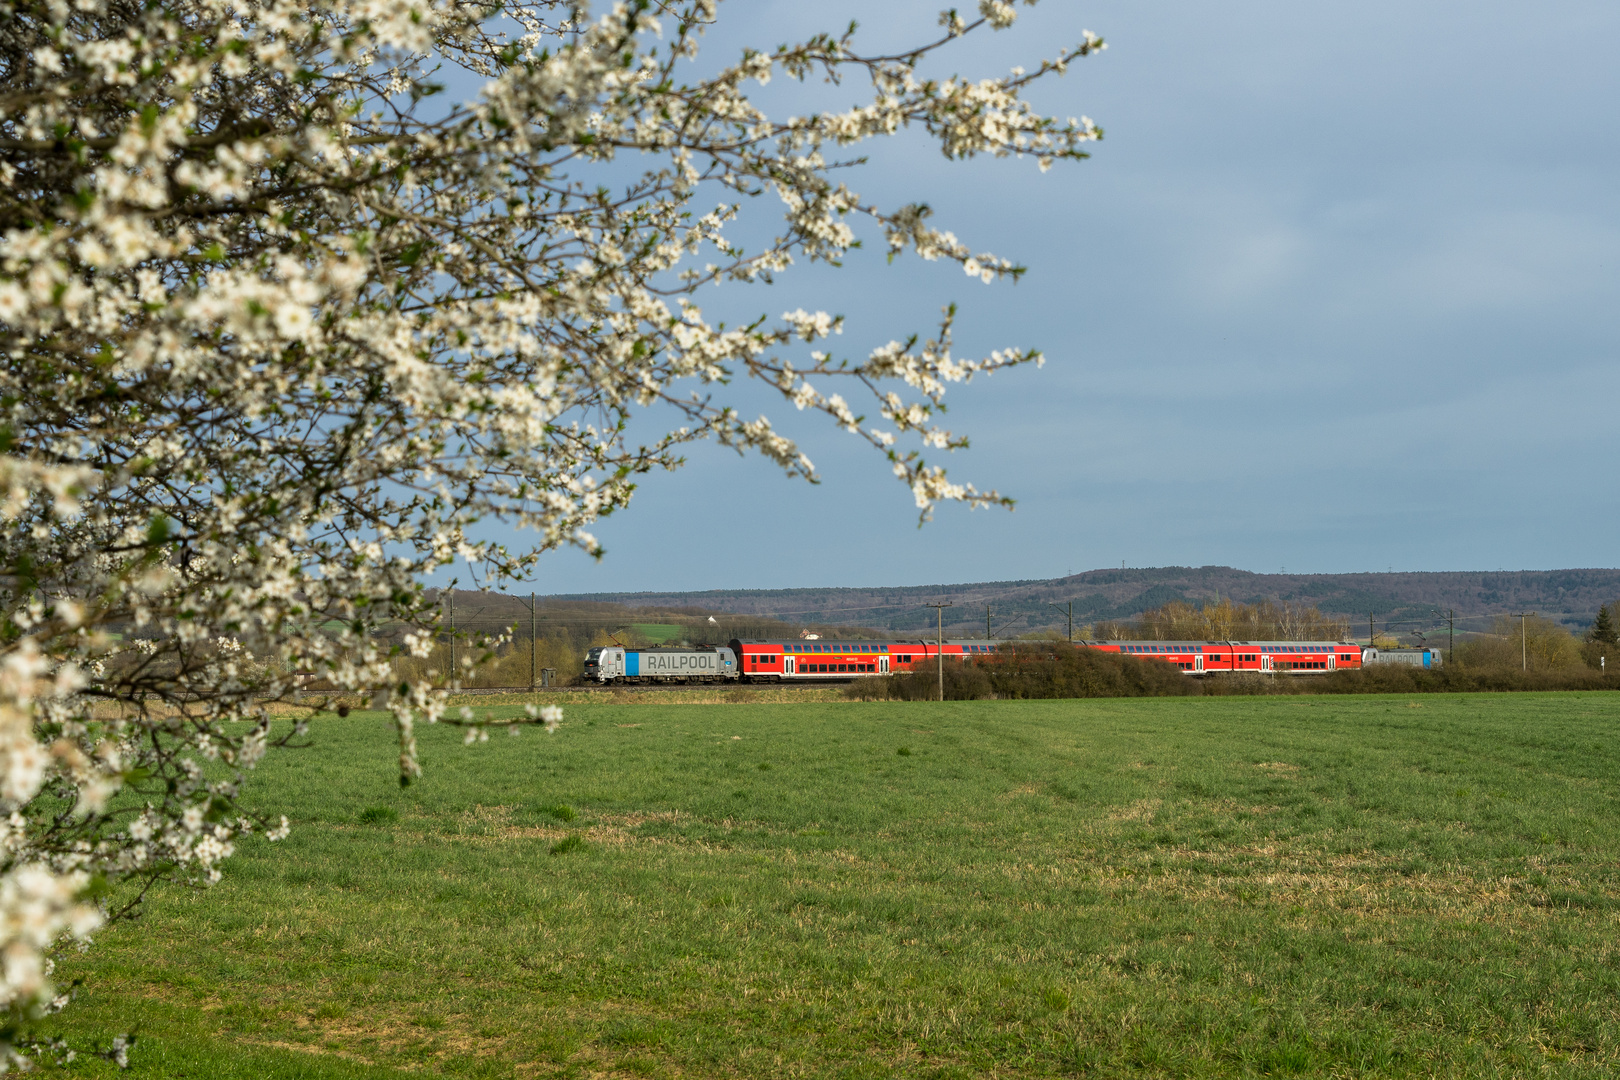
<point x="1198" y="661"/>
<point x="787" y="664"/>
<point x="883" y="664"/>
<point x="1333" y="660"/>
<point x="1265" y="661"/>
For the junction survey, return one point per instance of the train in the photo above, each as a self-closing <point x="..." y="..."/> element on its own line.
<point x="808" y="661"/>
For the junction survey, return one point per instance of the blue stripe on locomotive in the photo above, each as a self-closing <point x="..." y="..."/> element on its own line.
<point x="632" y="663"/>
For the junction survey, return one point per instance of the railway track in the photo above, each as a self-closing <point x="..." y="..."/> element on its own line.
<point x="597" y="688"/>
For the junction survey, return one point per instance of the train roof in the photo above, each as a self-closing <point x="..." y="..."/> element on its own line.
<point x="871" y="641"/>
<point x="1199" y="641"/>
<point x="663" y="648"/>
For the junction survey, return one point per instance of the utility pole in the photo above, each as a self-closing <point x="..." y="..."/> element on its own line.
<point x="1069" y="608"/>
<point x="532" y="645"/>
<point x="452" y="606"/>
<point x="940" y="608"/>
<point x="1524" y="638"/>
<point x="987" y="622"/>
<point x="1371" y="637"/>
<point x="1451" y="628"/>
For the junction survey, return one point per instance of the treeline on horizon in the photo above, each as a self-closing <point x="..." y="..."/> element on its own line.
<point x="1224" y="620"/>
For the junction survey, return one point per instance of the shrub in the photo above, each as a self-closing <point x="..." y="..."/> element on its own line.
<point x="1030" y="670"/>
<point x="963" y="682"/>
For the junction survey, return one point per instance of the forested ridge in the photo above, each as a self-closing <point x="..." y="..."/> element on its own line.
<point x="1018" y="607"/>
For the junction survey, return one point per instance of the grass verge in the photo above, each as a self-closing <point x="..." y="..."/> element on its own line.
<point x="1346" y="886"/>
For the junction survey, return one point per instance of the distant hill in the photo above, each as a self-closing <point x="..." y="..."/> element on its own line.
<point x="1019" y="607"/>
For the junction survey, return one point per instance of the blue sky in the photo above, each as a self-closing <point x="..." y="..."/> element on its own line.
<point x="1338" y="291"/>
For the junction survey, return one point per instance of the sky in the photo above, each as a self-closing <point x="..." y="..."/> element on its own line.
<point x="1338" y="291"/>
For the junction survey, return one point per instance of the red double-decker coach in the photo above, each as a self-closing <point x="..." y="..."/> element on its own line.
<point x="809" y="660"/>
<point x="812" y="660"/>
<point x="1216" y="657"/>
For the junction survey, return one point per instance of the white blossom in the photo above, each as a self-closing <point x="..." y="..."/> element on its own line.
<point x="287" y="330"/>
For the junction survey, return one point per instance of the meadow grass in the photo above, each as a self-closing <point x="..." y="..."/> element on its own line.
<point x="1367" y="886"/>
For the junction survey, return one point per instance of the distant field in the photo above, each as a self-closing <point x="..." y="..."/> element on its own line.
<point x="658" y="633"/>
<point x="1156" y="887"/>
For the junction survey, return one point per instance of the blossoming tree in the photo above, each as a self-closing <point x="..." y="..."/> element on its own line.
<point x="282" y="323"/>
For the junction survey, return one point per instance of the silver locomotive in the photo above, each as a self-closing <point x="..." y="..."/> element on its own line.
<point x="705" y="664"/>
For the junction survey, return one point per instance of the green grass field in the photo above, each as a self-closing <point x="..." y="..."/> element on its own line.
<point x="1154" y="887"/>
